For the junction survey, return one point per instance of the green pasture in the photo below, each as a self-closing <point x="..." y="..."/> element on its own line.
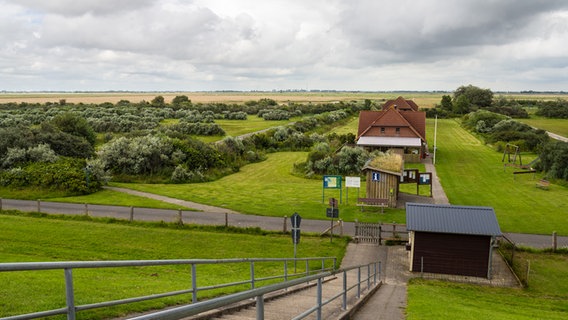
<point x="545" y="298"/>
<point x="35" y="238"/>
<point x="268" y="188"/>
<point x="558" y="126"/>
<point x="235" y="128"/>
<point x="472" y="173"/>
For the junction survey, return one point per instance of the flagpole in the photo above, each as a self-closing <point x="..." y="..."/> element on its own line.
<point x="435" y="134"/>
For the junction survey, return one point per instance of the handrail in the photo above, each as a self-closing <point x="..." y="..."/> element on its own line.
<point x="258" y="294"/>
<point x="68" y="266"/>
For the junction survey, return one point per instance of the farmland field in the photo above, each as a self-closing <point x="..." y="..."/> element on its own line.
<point x="424" y="99"/>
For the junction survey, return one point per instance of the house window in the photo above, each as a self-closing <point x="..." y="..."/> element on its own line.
<point x="382" y="130"/>
<point x="397" y="130"/>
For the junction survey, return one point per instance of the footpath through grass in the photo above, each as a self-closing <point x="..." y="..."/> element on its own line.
<point x="26" y="239"/>
<point x="472" y="173"/>
<point x="269" y="189"/>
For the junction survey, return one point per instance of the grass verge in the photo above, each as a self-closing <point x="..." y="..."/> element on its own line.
<point x="36" y="237"/>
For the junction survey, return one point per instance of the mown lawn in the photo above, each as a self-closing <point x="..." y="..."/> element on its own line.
<point x="472" y="173"/>
<point x="545" y="298"/>
<point x="268" y="188"/>
<point x="32" y="238"/>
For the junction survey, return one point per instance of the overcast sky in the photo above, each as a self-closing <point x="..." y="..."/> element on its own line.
<point x="202" y="45"/>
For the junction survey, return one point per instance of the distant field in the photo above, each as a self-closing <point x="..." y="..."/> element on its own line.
<point x="423" y="99"/>
<point x="558" y="126"/>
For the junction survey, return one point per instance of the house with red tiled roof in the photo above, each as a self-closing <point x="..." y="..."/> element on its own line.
<point x="399" y="126"/>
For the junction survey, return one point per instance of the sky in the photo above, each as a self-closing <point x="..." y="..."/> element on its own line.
<point x="246" y="45"/>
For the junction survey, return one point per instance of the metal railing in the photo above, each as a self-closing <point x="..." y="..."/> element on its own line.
<point x="362" y="284"/>
<point x="328" y="264"/>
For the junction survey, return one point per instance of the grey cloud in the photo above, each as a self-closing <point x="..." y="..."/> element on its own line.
<point x="82" y="7"/>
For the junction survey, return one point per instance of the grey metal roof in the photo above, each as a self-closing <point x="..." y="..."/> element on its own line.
<point x="452" y="219"/>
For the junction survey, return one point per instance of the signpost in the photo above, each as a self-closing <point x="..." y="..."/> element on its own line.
<point x="332" y="212"/>
<point x="296" y="220"/>
<point x="332" y="182"/>
<point x="352" y="182"/>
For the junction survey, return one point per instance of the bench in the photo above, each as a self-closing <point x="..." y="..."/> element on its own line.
<point x="372" y="202"/>
<point x="543" y="184"/>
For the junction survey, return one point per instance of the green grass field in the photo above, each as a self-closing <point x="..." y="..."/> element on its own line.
<point x="268" y="188"/>
<point x="558" y="126"/>
<point x="472" y="173"/>
<point x="26" y="239"/>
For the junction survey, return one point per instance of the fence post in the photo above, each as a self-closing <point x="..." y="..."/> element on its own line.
<point x="180" y="218"/>
<point x="358" y="282"/>
<point x="131" y="214"/>
<point x="554" y="240"/>
<point x="226" y="219"/>
<point x="341" y="227"/>
<point x="86" y="209"/>
<point x="285" y="227"/>
<point x="356" y="231"/>
<point x="69" y="296"/>
<point x="252" y="274"/>
<point x="260" y="307"/>
<point x="193" y="283"/>
<point x="38" y="205"/>
<point x="319" y="299"/>
<point x="344" y="290"/>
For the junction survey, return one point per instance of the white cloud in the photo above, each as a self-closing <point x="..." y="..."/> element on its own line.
<point x="282" y="44"/>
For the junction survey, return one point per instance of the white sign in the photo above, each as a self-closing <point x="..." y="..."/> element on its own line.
<point x="353" y="182"/>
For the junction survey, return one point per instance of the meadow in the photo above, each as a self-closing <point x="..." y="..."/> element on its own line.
<point x="27" y="238"/>
<point x="472" y="173"/>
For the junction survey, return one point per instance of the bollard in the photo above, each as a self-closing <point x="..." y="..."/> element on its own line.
<point x="0" y="204"/>
<point x="131" y="214"/>
<point x="284" y="228"/>
<point x="341" y="227"/>
<point x="38" y="205"/>
<point x="180" y="218"/>
<point x="554" y="241"/>
<point x="86" y="209"/>
<point x="226" y="219"/>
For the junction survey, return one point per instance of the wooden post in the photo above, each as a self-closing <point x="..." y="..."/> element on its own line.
<point x="341" y="227"/>
<point x="38" y="205"/>
<point x="131" y="214"/>
<point x="180" y="218"/>
<point x="285" y="225"/>
<point x="554" y="241"/>
<point x="0" y="204"/>
<point x="226" y="219"/>
<point x="86" y="209"/>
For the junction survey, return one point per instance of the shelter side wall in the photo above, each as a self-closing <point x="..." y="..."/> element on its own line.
<point x="466" y="255"/>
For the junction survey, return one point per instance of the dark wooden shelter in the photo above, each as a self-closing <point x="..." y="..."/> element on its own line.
<point x="451" y="239"/>
<point x="382" y="184"/>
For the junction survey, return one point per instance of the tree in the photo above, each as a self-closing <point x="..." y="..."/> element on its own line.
<point x="446" y="103"/>
<point x="158" y="101"/>
<point x="481" y="98"/>
<point x="76" y="125"/>
<point x="461" y="105"/>
<point x="179" y="100"/>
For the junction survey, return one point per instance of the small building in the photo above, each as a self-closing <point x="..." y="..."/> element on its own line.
<point x="456" y="240"/>
<point x="382" y="184"/>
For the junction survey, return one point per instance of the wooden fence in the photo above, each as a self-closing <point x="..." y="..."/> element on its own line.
<point x="379" y="232"/>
